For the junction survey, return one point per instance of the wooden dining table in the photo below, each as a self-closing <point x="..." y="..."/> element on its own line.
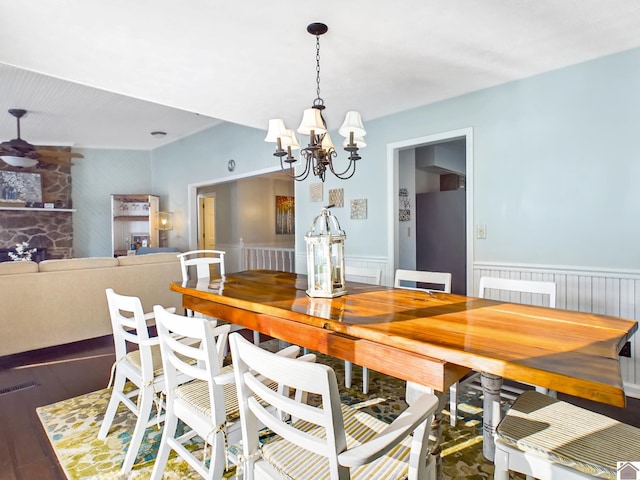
<point x="428" y="338"/>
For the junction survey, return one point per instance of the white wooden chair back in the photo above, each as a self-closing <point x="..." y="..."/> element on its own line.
<point x="250" y="361"/>
<point x="519" y="286"/>
<point x="253" y="364"/>
<point x="421" y="276"/>
<point x="202" y="260"/>
<point x="363" y="274"/>
<point x="191" y="350"/>
<point x="129" y="325"/>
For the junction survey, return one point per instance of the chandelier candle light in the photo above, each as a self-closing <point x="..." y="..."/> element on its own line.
<point x="320" y="152"/>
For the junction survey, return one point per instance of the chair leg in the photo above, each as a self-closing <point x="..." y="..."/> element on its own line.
<point x="170" y="425"/>
<point x="112" y="408"/>
<point x="146" y="404"/>
<point x="365" y="380"/>
<point x="348" y="371"/>
<point x="256" y="338"/>
<point x="501" y="465"/>
<point x="453" y="404"/>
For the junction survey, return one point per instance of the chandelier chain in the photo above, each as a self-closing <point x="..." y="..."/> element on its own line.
<point x="318" y="98"/>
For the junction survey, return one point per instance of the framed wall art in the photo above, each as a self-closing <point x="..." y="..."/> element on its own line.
<point x="285" y="215"/>
<point x="21" y="186"/>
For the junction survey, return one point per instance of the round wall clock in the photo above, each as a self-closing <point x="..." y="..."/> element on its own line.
<point x="231" y="165"/>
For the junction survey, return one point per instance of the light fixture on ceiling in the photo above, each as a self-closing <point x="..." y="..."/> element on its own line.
<point x="320" y="152"/>
<point x="158" y="134"/>
<point x="20" y="162"/>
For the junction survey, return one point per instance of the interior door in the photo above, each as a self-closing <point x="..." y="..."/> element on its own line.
<point x="207" y="237"/>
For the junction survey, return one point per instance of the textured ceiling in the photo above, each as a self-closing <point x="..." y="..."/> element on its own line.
<point x="109" y="73"/>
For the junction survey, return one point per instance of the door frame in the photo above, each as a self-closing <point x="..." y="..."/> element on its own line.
<point x="393" y="162"/>
<point x="192" y="199"/>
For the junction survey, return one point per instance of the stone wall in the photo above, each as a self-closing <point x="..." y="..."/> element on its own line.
<point x="53" y="229"/>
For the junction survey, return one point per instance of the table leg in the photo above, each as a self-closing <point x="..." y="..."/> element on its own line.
<point x="413" y="391"/>
<point x="491" y="386"/>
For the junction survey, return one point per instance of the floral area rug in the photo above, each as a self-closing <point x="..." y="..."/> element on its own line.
<point x="72" y="427"/>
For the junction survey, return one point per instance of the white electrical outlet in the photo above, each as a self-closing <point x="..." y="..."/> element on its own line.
<point x="481" y="232"/>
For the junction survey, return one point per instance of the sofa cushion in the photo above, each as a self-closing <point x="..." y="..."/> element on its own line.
<point x="77" y="264"/>
<point x="149" y="258"/>
<point x="10" y="268"/>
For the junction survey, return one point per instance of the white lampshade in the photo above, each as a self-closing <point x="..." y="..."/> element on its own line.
<point x="359" y="141"/>
<point x="327" y="144"/>
<point x="289" y="140"/>
<point x="22" y="162"/>
<point x="352" y="123"/>
<point x="276" y="129"/>
<point x="311" y="120"/>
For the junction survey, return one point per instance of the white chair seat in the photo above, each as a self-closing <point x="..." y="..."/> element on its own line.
<point x="359" y="427"/>
<point x="196" y="395"/>
<point x="547" y="438"/>
<point x="134" y="358"/>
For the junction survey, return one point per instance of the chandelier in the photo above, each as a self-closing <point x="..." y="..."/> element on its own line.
<point x="320" y="152"/>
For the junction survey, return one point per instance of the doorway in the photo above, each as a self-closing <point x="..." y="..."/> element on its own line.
<point x="402" y="237"/>
<point x="207" y="222"/>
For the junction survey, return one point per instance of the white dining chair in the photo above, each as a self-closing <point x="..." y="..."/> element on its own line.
<point x="330" y="440"/>
<point x="203" y="261"/>
<point x="138" y="360"/>
<point x="518" y="291"/>
<point x="207" y="402"/>
<point x="542" y="437"/>
<point x="372" y="276"/>
<point x="422" y="280"/>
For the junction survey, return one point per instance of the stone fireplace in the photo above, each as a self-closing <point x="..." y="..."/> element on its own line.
<point x="50" y="229"/>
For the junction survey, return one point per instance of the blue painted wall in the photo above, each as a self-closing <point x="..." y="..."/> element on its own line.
<point x="556" y="167"/>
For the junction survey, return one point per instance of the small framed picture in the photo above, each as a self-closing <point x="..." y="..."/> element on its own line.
<point x="140" y="240"/>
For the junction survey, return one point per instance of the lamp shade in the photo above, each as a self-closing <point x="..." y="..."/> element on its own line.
<point x="276" y="129"/>
<point x="352" y="123"/>
<point x="165" y="221"/>
<point x="327" y="144"/>
<point x="311" y="120"/>
<point x="15" y="161"/>
<point x="289" y="140"/>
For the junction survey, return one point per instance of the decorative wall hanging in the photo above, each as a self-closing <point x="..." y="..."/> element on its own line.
<point x="316" y="192"/>
<point x="404" y="214"/>
<point x="285" y="215"/>
<point x="25" y="188"/>
<point x="359" y="209"/>
<point x="336" y="197"/>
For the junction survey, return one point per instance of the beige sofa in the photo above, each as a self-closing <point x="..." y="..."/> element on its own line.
<point x="62" y="301"/>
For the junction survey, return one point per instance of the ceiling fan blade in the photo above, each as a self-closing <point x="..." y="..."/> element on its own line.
<point x="63" y="154"/>
<point x="54" y="161"/>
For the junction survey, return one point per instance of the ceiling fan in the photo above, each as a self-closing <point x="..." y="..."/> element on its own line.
<point x="19" y="153"/>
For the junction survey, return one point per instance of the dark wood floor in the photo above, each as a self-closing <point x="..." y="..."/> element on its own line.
<point x="83" y="367"/>
<point x="61" y="372"/>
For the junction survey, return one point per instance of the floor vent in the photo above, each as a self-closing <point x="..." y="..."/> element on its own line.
<point x="16" y="388"/>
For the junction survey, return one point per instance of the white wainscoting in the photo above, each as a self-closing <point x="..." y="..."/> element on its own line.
<point x="601" y="291"/>
<point x="261" y="257"/>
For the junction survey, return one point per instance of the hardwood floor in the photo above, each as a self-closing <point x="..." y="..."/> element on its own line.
<point x="83" y="367"/>
<point x="61" y="373"/>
